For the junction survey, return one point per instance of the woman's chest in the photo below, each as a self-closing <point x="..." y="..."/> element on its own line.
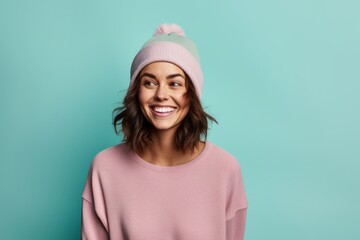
<point x="166" y="222"/>
<point x="172" y="211"/>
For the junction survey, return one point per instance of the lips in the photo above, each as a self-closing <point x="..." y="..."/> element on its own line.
<point x="162" y="110"/>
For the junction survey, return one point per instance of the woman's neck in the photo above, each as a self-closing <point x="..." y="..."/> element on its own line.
<point x="164" y="152"/>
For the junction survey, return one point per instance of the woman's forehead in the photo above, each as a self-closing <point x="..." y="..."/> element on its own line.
<point x="162" y="68"/>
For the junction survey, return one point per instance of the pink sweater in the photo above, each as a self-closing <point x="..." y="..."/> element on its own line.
<point x="127" y="198"/>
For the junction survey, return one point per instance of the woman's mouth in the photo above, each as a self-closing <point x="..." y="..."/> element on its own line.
<point x="162" y="110"/>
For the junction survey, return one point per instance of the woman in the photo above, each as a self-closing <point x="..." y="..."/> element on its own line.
<point x="165" y="182"/>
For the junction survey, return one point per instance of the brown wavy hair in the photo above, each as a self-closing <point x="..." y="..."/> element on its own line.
<point x="137" y="129"/>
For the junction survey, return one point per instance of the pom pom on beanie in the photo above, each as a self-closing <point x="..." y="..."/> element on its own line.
<point x="169" y="28"/>
<point x="169" y="44"/>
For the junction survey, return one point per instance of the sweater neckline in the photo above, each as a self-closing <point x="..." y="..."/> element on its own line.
<point x="159" y="168"/>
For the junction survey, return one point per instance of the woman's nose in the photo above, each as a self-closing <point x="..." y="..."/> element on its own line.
<point x="161" y="93"/>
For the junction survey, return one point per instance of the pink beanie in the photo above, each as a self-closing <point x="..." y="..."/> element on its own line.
<point x="169" y="44"/>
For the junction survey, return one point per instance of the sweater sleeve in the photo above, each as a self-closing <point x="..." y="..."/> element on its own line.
<point x="94" y="224"/>
<point x="235" y="227"/>
<point x="91" y="226"/>
<point x="236" y="205"/>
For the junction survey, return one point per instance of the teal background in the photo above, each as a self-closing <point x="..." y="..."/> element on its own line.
<point x="281" y="77"/>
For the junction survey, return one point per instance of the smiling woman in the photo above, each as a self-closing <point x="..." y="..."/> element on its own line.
<point x="165" y="181"/>
<point x="162" y="95"/>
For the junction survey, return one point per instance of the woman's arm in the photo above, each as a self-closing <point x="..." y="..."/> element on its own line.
<point x="235" y="227"/>
<point x="91" y="226"/>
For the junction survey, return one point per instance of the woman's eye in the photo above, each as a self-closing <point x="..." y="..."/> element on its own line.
<point x="175" y="84"/>
<point x="149" y="83"/>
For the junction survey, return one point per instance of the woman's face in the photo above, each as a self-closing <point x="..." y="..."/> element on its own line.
<point x="162" y="95"/>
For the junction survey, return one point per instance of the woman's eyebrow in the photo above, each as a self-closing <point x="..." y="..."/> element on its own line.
<point x="174" y="75"/>
<point x="148" y="75"/>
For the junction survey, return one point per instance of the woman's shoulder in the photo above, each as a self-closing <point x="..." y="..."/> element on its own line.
<point x="222" y="156"/>
<point x="110" y="154"/>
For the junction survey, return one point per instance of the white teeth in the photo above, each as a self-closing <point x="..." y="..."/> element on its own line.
<point x="163" y="109"/>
